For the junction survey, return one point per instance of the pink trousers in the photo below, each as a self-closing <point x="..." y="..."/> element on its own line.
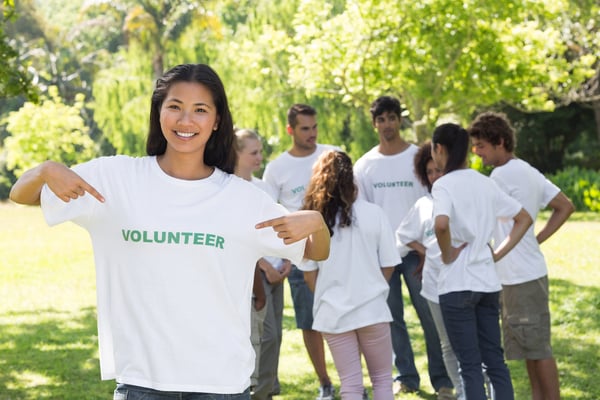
<point x="375" y="343"/>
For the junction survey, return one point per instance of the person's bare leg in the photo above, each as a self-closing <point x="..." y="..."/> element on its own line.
<point x="543" y="377"/>
<point x="313" y="340"/>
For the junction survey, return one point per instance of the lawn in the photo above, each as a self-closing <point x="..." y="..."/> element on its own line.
<point x="48" y="342"/>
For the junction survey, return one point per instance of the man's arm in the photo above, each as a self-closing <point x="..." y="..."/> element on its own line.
<point x="562" y="208"/>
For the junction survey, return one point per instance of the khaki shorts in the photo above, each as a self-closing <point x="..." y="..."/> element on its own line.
<point x="526" y="320"/>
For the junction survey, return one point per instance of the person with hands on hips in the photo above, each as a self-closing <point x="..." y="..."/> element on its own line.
<point x="466" y="206"/>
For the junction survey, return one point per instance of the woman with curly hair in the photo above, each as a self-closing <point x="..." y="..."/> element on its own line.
<point x="350" y="287"/>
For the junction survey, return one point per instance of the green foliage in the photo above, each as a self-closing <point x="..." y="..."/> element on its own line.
<point x="47" y="131"/>
<point x="122" y="102"/>
<point x="582" y="186"/>
<point x="14" y="78"/>
<point x="476" y="163"/>
<point x="436" y="55"/>
<point x="548" y="140"/>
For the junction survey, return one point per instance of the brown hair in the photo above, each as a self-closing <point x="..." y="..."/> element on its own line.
<point x="331" y="190"/>
<point x="494" y="127"/>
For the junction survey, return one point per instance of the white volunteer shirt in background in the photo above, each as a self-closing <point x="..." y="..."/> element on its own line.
<point x="473" y="203"/>
<point x="351" y="291"/>
<point x="390" y="182"/>
<point x="289" y="176"/>
<point x="528" y="186"/>
<point x="417" y="226"/>
<point x="174" y="267"/>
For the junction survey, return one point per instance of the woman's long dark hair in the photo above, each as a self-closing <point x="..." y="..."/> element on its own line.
<point x="219" y="151"/>
<point x="456" y="141"/>
<point x="331" y="190"/>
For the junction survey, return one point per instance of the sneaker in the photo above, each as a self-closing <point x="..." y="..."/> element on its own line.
<point x="326" y="392"/>
<point x="446" y="393"/>
<point x="399" y="387"/>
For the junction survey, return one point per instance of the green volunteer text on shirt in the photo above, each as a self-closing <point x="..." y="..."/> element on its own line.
<point x="162" y="237"/>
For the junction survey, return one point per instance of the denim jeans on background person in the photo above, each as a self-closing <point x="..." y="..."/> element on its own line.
<point x="473" y="326"/>
<point x="404" y="359"/>
<point x="130" y="392"/>
<point x="302" y="299"/>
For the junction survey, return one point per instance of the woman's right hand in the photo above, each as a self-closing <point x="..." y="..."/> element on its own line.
<point x="65" y="183"/>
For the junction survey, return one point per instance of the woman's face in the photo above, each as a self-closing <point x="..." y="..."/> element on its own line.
<point x="188" y="117"/>
<point x="250" y="157"/>
<point x="433" y="172"/>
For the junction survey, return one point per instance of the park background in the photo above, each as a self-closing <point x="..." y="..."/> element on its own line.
<point x="76" y="78"/>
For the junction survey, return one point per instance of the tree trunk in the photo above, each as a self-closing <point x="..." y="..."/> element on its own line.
<point x="596" y="108"/>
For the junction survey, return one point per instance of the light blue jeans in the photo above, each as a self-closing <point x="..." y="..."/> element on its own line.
<point x="130" y="392"/>
<point x="404" y="357"/>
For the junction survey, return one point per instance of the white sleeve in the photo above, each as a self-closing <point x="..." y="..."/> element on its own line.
<point x="506" y="206"/>
<point x="442" y="201"/>
<point x="308" y="265"/>
<point x="410" y="228"/>
<point x="387" y="251"/>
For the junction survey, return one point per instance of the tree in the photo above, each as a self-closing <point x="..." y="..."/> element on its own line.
<point x="14" y="78"/>
<point x="439" y="56"/>
<point x="582" y="36"/>
<point x="122" y="101"/>
<point x="38" y="135"/>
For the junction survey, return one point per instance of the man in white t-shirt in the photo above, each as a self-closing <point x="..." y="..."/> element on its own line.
<point x="288" y="176"/>
<point x="523" y="272"/>
<point x="385" y="176"/>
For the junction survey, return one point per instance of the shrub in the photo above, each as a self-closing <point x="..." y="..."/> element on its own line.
<point x="582" y="186"/>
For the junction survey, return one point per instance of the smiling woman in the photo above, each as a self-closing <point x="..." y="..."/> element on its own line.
<point x="171" y="336"/>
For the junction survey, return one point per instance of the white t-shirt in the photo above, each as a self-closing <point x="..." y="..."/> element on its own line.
<point x="275" y="262"/>
<point x="417" y="226"/>
<point x="263" y="186"/>
<point x="174" y="267"/>
<point x="473" y="203"/>
<point x="390" y="182"/>
<point x="351" y="291"/>
<point x="289" y="176"/>
<point x="525" y="262"/>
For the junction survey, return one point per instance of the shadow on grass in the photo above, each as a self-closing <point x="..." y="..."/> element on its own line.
<point x="54" y="357"/>
<point x="575" y="332"/>
<point x="575" y="329"/>
<point x="51" y="354"/>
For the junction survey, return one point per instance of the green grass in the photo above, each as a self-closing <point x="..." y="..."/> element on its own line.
<point x="48" y="342"/>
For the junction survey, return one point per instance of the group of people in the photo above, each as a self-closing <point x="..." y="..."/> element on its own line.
<point x="180" y="263"/>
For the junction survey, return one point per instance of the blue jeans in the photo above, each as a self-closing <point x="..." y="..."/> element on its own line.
<point x="404" y="357"/>
<point x="130" y="392"/>
<point x="472" y="323"/>
<point x="303" y="299"/>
